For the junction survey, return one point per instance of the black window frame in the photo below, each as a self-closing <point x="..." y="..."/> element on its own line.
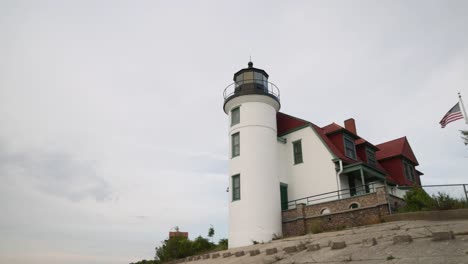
<point x="235" y="112"/>
<point x="297" y="152"/>
<point x="350" y="140"/>
<point x="235" y="153"/>
<point x="236" y="194"/>
<point x="408" y="170"/>
<point x="371" y="161"/>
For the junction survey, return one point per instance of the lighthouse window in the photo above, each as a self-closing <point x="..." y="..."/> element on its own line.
<point x="235" y="116"/>
<point x="297" y="151"/>
<point x="248" y="77"/>
<point x="258" y="78"/>
<point x="235" y="144"/>
<point x="236" y="187"/>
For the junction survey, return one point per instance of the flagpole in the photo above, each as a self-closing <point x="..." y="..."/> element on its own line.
<point x="462" y="106"/>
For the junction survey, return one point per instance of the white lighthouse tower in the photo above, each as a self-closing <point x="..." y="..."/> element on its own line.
<point x="251" y="103"/>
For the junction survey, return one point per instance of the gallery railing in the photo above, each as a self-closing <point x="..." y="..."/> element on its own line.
<point x="252" y="86"/>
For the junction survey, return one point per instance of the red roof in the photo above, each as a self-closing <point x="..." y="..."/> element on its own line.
<point x="394" y="148"/>
<point x="332" y="146"/>
<point x="333" y="127"/>
<point x="178" y="234"/>
<point x="363" y="141"/>
<point x="286" y="123"/>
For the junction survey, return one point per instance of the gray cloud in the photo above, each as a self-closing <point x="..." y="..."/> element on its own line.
<point x="55" y="173"/>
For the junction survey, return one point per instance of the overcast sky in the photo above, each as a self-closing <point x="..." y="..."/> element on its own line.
<point x="111" y="123"/>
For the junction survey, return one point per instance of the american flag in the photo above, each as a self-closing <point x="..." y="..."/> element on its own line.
<point x="453" y="114"/>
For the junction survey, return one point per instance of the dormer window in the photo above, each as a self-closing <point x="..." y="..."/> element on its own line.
<point x="371" y="157"/>
<point x="350" y="148"/>
<point x="409" y="171"/>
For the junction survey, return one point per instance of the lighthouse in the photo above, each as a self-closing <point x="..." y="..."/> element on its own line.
<point x="251" y="103"/>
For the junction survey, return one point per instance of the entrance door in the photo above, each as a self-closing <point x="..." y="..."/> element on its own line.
<point x="284" y="196"/>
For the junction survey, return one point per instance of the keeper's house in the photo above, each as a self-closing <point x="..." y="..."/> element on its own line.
<point x="278" y="159"/>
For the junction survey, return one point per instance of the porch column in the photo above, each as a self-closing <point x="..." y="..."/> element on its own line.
<point x="362" y="179"/>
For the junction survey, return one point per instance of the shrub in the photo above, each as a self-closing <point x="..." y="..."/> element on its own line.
<point x="418" y="200"/>
<point x="175" y="248"/>
<point x="443" y="201"/>
<point x="222" y="244"/>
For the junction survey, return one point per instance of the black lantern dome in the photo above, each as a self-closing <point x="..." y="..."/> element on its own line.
<point x="249" y="81"/>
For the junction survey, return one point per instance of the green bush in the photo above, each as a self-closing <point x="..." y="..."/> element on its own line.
<point x="147" y="262"/>
<point x="175" y="248"/>
<point x="444" y="202"/>
<point x="181" y="247"/>
<point x="222" y="244"/>
<point x="418" y="200"/>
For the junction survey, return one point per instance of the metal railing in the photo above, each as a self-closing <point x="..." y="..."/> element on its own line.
<point x="457" y="191"/>
<point x="333" y="196"/>
<point x="263" y="86"/>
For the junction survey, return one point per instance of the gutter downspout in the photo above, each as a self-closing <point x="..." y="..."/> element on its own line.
<point x="338" y="178"/>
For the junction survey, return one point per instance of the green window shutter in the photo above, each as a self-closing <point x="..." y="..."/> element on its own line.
<point x="297" y="152"/>
<point x="235" y="144"/>
<point x="236" y="187"/>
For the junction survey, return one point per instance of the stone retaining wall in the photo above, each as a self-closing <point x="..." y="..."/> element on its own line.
<point x="308" y="218"/>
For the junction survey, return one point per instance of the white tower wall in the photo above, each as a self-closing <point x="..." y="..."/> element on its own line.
<point x="257" y="215"/>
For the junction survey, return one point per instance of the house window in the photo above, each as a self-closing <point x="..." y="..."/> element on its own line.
<point x="350" y="149"/>
<point x="297" y="152"/>
<point x="235" y="144"/>
<point x="236" y="187"/>
<point x="409" y="171"/>
<point x="371" y="157"/>
<point x="235" y="116"/>
<point x="353" y="206"/>
<point x="325" y="210"/>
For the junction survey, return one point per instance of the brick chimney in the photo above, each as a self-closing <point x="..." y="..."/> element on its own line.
<point x="350" y="125"/>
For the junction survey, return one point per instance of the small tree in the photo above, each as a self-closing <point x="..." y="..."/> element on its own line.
<point x="211" y="232"/>
<point x="174" y="248"/>
<point x="201" y="245"/>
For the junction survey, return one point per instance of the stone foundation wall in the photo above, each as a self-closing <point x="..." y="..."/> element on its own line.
<point x="395" y="202"/>
<point x="341" y="205"/>
<point x="308" y="218"/>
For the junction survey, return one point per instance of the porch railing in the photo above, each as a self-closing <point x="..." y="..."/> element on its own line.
<point x="333" y="196"/>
